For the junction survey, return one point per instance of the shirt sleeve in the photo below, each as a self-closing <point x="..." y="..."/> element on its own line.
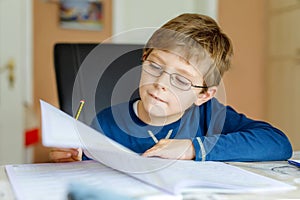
<point x="241" y="139"/>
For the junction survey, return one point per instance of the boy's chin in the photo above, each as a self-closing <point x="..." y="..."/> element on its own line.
<point x="157" y="111"/>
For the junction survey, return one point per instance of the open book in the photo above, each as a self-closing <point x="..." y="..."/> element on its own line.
<point x="150" y="175"/>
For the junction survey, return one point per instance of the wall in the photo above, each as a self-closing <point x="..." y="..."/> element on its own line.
<point x="137" y="14"/>
<point x="46" y="33"/>
<point x="264" y="81"/>
<point x="284" y="67"/>
<point x="245" y="23"/>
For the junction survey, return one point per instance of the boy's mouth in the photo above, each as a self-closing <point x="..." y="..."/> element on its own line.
<point x="157" y="98"/>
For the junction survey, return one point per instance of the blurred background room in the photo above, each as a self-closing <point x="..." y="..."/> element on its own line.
<point x="263" y="82"/>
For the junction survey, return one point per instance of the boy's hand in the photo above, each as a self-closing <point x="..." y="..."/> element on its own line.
<point x="172" y="149"/>
<point x="65" y="155"/>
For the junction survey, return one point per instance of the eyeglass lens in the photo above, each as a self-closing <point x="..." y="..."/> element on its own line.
<point x="176" y="80"/>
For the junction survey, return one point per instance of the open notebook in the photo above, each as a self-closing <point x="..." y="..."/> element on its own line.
<point x="145" y="176"/>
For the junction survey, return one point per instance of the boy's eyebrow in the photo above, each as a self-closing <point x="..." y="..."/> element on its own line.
<point x="185" y="72"/>
<point x="180" y="70"/>
<point x="159" y="58"/>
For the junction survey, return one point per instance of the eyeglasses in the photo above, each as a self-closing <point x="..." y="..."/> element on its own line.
<point x="176" y="80"/>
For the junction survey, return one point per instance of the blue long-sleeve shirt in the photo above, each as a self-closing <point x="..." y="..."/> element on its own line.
<point x="218" y="133"/>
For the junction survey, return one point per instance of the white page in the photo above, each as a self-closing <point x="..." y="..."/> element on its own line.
<point x="61" y="130"/>
<point x="171" y="175"/>
<point x="192" y="176"/>
<point x="52" y="181"/>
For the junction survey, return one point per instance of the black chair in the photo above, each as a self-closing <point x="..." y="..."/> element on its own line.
<point x="102" y="75"/>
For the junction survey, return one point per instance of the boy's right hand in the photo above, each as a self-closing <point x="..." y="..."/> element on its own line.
<point x="65" y="155"/>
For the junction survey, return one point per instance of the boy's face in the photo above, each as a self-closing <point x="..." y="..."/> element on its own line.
<point x="161" y="99"/>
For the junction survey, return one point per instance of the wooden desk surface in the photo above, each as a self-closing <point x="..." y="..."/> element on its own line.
<point x="279" y="170"/>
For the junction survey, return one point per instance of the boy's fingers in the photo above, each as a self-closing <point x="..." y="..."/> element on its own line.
<point x="73" y="150"/>
<point x="65" y="155"/>
<point x="80" y="153"/>
<point x="172" y="149"/>
<point x="64" y="160"/>
<point x="56" y="155"/>
<point x="77" y="155"/>
<point x="154" y="151"/>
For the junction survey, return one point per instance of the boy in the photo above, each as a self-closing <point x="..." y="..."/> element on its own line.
<point x="177" y="116"/>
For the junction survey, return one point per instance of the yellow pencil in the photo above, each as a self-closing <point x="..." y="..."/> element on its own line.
<point x="81" y="103"/>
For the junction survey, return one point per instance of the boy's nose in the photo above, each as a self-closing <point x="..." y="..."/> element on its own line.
<point x="163" y="81"/>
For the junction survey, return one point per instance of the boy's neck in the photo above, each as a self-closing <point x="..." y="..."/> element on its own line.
<point x="154" y="120"/>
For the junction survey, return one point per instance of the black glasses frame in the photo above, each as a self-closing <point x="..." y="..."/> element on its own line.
<point x="171" y="75"/>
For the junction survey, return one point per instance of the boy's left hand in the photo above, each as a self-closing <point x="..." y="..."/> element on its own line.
<point x="172" y="149"/>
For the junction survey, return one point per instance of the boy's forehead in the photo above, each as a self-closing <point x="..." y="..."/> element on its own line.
<point x="164" y="55"/>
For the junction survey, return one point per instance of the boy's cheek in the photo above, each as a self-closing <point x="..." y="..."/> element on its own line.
<point x="146" y="79"/>
<point x="186" y="99"/>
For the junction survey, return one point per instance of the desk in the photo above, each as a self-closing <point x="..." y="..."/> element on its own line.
<point x="6" y="192"/>
<point x="279" y="170"/>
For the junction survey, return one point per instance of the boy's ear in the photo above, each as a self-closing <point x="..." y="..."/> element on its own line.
<point x="206" y="96"/>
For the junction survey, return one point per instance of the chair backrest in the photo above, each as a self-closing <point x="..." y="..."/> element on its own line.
<point x="113" y="59"/>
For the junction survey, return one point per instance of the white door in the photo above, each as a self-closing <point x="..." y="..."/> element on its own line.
<point x="13" y="64"/>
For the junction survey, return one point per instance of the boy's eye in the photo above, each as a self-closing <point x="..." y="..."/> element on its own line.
<point x="180" y="80"/>
<point x="155" y="67"/>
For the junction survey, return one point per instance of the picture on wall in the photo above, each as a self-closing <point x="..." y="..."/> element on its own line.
<point x="81" y="14"/>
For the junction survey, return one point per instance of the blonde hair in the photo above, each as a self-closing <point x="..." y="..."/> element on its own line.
<point x="196" y="38"/>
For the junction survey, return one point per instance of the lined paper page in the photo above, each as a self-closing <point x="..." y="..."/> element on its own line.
<point x="190" y="176"/>
<point x="51" y="180"/>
